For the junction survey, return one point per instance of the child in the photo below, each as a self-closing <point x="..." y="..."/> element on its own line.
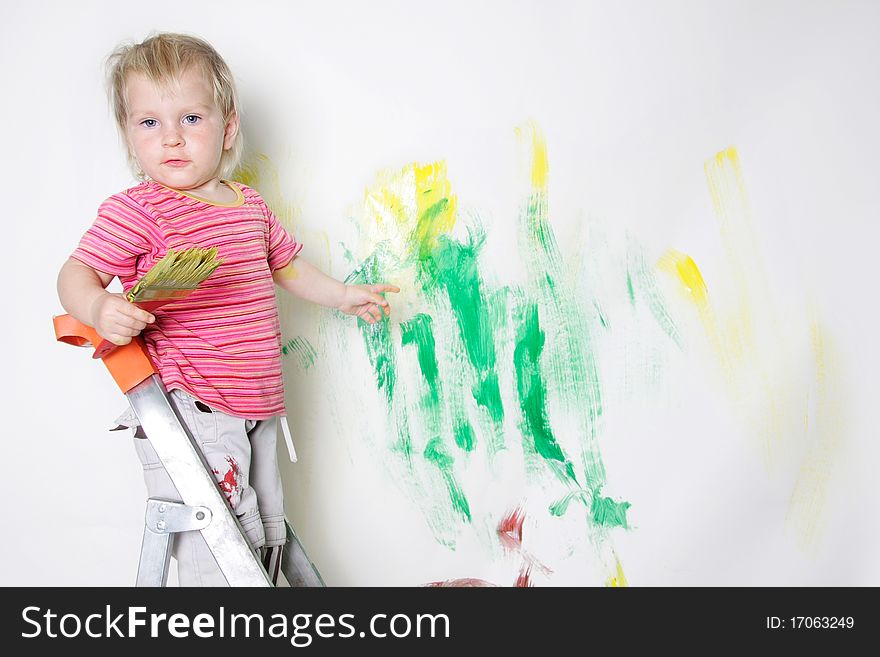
<point x="218" y="351"/>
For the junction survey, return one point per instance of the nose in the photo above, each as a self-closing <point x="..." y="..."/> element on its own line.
<point x="172" y="137"/>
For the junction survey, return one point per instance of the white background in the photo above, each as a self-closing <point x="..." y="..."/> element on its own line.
<point x="632" y="97"/>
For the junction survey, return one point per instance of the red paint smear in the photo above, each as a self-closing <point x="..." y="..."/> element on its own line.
<point x="524" y="580"/>
<point x="229" y="483"/>
<point x="465" y="582"/>
<point x="510" y="529"/>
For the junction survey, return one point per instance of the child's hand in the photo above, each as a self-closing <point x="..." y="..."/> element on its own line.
<point x="364" y="301"/>
<point x="117" y="319"/>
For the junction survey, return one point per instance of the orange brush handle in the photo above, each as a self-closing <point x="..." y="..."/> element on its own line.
<point x="128" y="364"/>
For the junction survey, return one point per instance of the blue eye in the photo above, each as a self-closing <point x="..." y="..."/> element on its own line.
<point x="149" y="123"/>
<point x="191" y="119"/>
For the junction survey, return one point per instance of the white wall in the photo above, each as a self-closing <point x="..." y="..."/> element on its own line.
<point x="632" y="98"/>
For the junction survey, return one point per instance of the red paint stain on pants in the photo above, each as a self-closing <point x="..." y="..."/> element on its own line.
<point x="230" y="484"/>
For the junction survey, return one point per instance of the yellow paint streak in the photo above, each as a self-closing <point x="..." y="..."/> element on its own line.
<point x="401" y="210"/>
<point x="404" y="213"/>
<point x="683" y="267"/>
<point x="823" y="437"/>
<point x="757" y="346"/>
<point x="724" y="173"/>
<point x="751" y="347"/>
<point x="618" y="580"/>
<point x="754" y="337"/>
<point x="691" y="285"/>
<point x="730" y="204"/>
<point x="436" y="206"/>
<point x="538" y="147"/>
<point x="386" y="211"/>
<point x="260" y="173"/>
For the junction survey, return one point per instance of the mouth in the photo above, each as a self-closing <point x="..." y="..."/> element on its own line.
<point x="176" y="163"/>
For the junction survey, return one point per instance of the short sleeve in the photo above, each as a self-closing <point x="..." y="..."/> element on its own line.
<point x="116" y="239"/>
<point x="282" y="246"/>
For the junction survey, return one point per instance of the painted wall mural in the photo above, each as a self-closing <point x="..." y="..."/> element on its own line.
<point x="494" y="392"/>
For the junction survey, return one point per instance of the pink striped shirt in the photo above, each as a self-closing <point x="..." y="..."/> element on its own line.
<point x="222" y="344"/>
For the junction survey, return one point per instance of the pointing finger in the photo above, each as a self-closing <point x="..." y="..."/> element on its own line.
<point x="384" y="288"/>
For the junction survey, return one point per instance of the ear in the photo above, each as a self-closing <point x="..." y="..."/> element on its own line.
<point x="229" y="134"/>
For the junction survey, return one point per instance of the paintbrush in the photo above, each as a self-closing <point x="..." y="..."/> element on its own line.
<point x="173" y="278"/>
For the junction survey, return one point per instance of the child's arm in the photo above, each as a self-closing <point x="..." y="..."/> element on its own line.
<point x="82" y="293"/>
<point x="307" y="282"/>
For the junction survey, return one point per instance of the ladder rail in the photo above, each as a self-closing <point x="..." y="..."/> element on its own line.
<point x="187" y="468"/>
<point x="298" y="569"/>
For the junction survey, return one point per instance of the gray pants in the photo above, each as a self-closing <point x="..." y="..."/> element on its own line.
<point x="242" y="455"/>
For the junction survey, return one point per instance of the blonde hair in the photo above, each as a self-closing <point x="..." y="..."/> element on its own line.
<point x="163" y="58"/>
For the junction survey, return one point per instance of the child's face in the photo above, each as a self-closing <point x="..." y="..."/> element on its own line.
<point x="177" y="135"/>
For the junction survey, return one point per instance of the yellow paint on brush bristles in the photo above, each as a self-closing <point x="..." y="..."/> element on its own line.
<point x="178" y="270"/>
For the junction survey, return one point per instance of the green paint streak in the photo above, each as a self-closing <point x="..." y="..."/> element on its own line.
<point x="542" y="234"/>
<point x="435" y="453"/>
<point x="629" y="288"/>
<point x="375" y="267"/>
<point x="600" y="315"/>
<point x="440" y="413"/>
<point x="452" y="266"/>
<point x="464" y="436"/>
<point x="380" y="349"/>
<point x="607" y="512"/>
<point x="377" y="337"/>
<point x="559" y="508"/>
<point x="488" y="395"/>
<point x="347" y="254"/>
<point x="423" y="227"/>
<point x="303" y="349"/>
<point x="532" y="393"/>
<point x="420" y="332"/>
<point x="403" y="445"/>
<point x="604" y="511"/>
<point x="572" y="364"/>
<point x="647" y="286"/>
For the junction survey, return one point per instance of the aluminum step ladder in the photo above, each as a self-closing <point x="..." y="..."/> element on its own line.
<point x="204" y="508"/>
